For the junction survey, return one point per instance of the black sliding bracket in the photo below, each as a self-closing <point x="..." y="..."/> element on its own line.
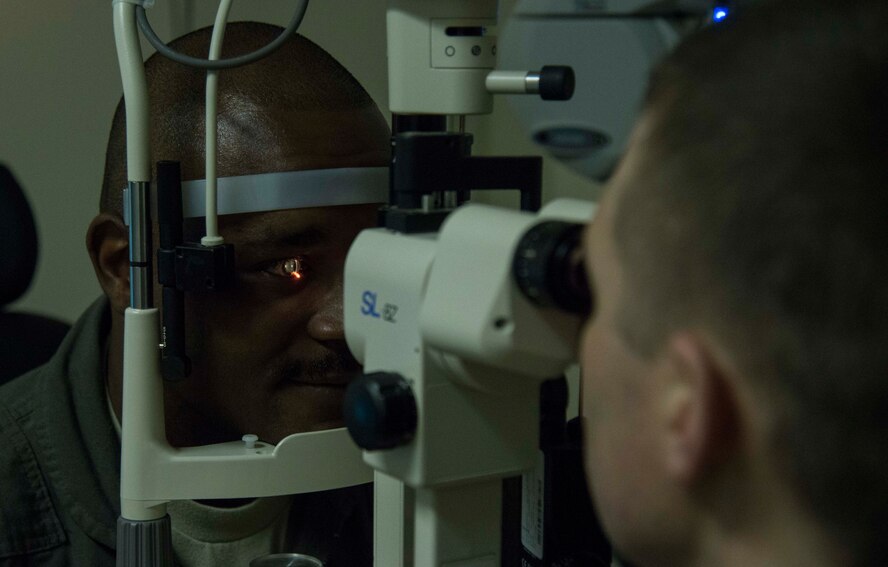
<point x="183" y="267"/>
<point x="175" y="364"/>
<point x="433" y="172"/>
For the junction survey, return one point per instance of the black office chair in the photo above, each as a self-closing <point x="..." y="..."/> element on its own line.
<point x="26" y="340"/>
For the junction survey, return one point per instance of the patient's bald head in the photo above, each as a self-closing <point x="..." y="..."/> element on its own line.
<point x="300" y="77"/>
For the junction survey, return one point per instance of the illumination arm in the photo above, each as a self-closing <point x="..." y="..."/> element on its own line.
<point x="212" y="237"/>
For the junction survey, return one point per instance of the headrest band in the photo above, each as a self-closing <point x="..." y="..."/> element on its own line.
<point x="289" y="190"/>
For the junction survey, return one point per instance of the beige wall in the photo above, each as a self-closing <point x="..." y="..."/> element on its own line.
<point x="59" y="84"/>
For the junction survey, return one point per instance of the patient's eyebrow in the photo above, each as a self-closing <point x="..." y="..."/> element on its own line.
<point x="287" y="238"/>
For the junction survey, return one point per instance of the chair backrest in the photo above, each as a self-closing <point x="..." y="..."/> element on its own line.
<point x="26" y="340"/>
<point x="18" y="240"/>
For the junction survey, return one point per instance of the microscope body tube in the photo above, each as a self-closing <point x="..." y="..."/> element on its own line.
<point x="431" y="507"/>
<point x="443" y="312"/>
<point x="496" y="326"/>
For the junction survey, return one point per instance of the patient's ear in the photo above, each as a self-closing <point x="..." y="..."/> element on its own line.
<point x="107" y="241"/>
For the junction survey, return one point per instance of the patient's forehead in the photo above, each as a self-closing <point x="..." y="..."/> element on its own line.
<point x="269" y="140"/>
<point x="287" y="141"/>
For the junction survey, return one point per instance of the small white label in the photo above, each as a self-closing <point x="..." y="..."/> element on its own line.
<point x="532" y="502"/>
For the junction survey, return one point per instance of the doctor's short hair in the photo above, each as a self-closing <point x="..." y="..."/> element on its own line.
<point x="759" y="212"/>
<point x="300" y="75"/>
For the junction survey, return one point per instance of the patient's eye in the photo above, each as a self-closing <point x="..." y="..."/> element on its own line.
<point x="291" y="268"/>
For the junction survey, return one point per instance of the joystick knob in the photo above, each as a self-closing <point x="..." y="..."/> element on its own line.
<point x="380" y="411"/>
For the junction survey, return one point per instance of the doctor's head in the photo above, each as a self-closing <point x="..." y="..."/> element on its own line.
<point x="268" y="354"/>
<point x="735" y="368"/>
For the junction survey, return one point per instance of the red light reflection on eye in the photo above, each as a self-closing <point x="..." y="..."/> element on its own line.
<point x="296" y="275"/>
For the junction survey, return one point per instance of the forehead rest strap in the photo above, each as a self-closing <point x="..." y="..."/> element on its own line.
<point x="289" y="190"/>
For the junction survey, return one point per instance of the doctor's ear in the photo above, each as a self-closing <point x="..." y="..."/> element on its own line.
<point x="702" y="410"/>
<point x="107" y="241"/>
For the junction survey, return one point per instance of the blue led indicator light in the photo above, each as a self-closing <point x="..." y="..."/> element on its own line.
<point x="719" y="14"/>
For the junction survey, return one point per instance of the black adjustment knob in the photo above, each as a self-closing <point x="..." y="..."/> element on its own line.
<point x="557" y="82"/>
<point x="548" y="267"/>
<point x="380" y="411"/>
